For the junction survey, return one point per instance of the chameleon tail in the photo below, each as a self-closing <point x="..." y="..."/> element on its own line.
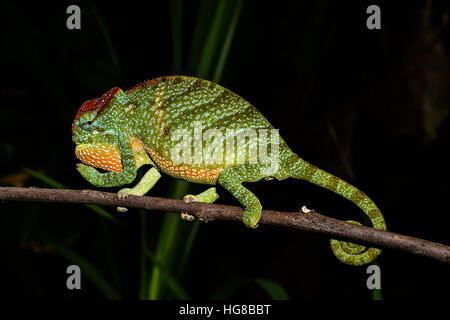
<point x="348" y="253"/>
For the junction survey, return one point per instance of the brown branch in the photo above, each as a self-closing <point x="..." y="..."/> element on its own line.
<point x="308" y="221"/>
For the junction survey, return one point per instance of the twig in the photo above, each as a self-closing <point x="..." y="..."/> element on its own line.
<point x="308" y="221"/>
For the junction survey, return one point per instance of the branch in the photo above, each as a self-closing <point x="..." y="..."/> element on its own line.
<point x="309" y="221"/>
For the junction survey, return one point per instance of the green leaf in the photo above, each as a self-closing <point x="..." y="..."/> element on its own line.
<point x="275" y="291"/>
<point x="172" y="283"/>
<point x="177" y="50"/>
<point x="206" y="59"/>
<point x="227" y="42"/>
<point x="377" y="294"/>
<point x="144" y="277"/>
<point x="186" y="252"/>
<point x="88" y="270"/>
<point x="165" y="251"/>
<point x="55" y="184"/>
<point x="229" y="288"/>
<point x="45" y="179"/>
<point x="107" y="38"/>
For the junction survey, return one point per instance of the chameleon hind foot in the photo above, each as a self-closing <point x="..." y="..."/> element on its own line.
<point x="232" y="179"/>
<point x="189" y="198"/>
<point x="208" y="196"/>
<point x="147" y="182"/>
<point x="251" y="217"/>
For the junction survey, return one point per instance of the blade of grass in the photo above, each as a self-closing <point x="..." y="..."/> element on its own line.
<point x="202" y="23"/>
<point x="44" y="178"/>
<point x="102" y="212"/>
<point x="110" y="252"/>
<point x="188" y="247"/>
<point x="275" y="291"/>
<point x="55" y="184"/>
<point x="166" y="244"/>
<point x="377" y="294"/>
<point x="88" y="270"/>
<point x="107" y="37"/>
<point x="227" y="42"/>
<point x="229" y="288"/>
<point x="206" y="59"/>
<point x="172" y="283"/>
<point x="175" y="12"/>
<point x="143" y="286"/>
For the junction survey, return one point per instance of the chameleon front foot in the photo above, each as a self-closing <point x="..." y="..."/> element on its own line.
<point x="123" y="194"/>
<point x="147" y="182"/>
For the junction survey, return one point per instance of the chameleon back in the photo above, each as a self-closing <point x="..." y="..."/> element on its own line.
<point x="200" y="107"/>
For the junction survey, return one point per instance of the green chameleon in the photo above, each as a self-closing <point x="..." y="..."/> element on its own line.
<point x="149" y="124"/>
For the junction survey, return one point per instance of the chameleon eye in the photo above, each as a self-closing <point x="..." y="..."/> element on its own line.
<point x="87" y="125"/>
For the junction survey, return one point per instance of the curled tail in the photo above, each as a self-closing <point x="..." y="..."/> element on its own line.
<point x="348" y="253"/>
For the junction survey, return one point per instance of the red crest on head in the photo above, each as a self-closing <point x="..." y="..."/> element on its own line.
<point x="97" y="104"/>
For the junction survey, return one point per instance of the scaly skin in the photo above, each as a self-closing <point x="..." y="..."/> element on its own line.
<point x="123" y="130"/>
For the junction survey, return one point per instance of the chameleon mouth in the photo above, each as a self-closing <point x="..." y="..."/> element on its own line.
<point x="104" y="156"/>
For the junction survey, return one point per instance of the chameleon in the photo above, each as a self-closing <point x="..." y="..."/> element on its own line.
<point x="121" y="131"/>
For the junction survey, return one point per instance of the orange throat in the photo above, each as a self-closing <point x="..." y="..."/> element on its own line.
<point x="104" y="156"/>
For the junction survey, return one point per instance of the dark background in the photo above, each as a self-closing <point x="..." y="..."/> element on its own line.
<point x="369" y="106"/>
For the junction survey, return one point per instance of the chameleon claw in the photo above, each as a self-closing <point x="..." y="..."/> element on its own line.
<point x="251" y="218"/>
<point x="124" y="193"/>
<point x="305" y="209"/>
<point x="252" y="227"/>
<point x="189" y="198"/>
<point x="186" y="216"/>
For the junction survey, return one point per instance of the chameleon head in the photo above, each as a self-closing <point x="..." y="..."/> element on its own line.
<point x="95" y="134"/>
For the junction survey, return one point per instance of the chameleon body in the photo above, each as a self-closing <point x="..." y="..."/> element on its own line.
<point x="123" y="130"/>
